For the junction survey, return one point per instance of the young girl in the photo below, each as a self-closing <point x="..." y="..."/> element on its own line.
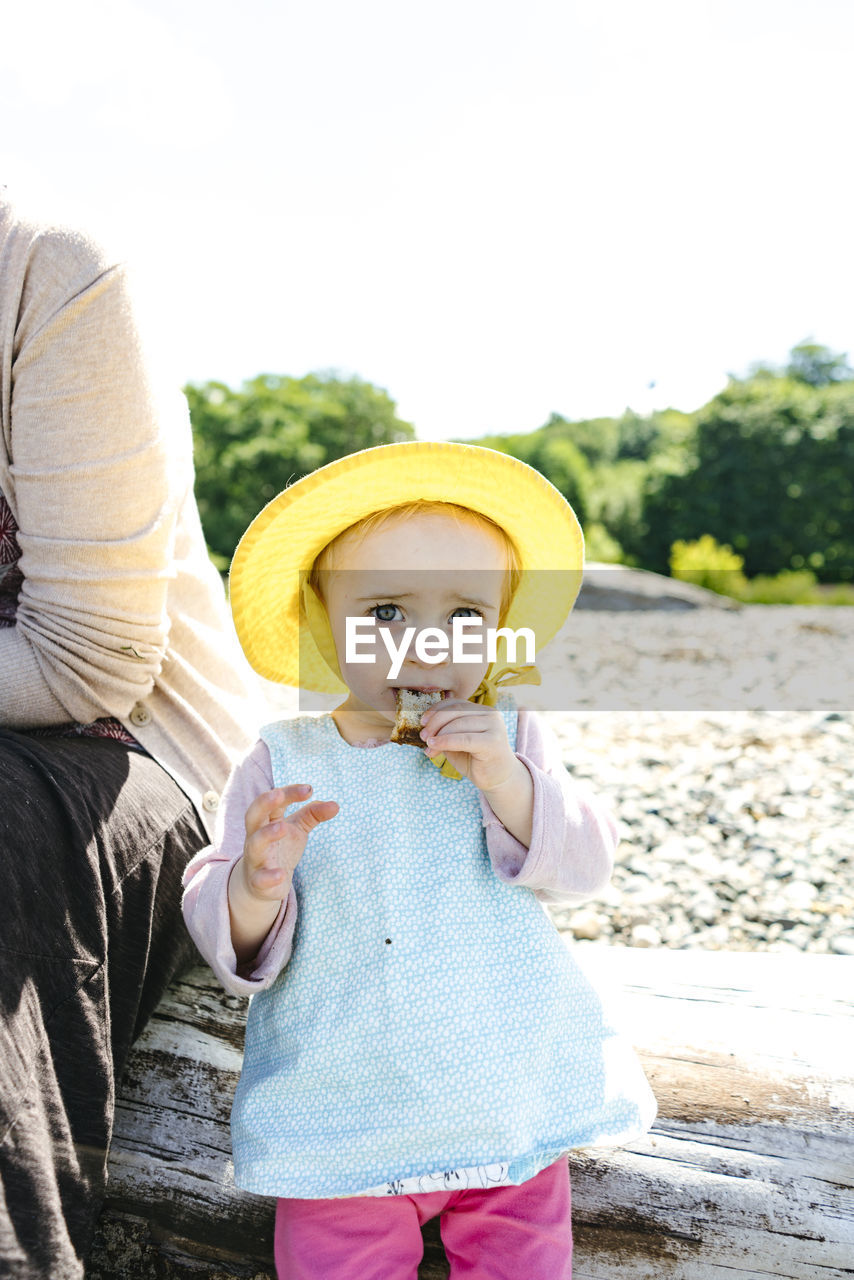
<point x="421" y="1042"/>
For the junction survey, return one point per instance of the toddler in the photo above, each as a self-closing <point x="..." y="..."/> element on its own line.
<point x="421" y="1042"/>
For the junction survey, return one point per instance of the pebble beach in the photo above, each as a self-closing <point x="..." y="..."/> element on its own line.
<point x="737" y="826"/>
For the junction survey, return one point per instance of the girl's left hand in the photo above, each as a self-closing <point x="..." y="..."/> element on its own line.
<point x="473" y="737"/>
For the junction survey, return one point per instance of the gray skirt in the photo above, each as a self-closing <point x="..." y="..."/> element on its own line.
<point x="94" y="837"/>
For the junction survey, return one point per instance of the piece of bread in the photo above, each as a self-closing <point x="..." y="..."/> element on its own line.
<point x="410" y="706"/>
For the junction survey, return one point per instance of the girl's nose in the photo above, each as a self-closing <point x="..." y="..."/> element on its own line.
<point x="432" y="648"/>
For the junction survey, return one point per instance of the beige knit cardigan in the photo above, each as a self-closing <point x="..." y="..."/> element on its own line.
<point x="121" y="613"/>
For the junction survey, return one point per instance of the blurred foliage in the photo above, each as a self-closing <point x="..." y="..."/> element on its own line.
<point x="251" y="443"/>
<point x="771" y="472"/>
<point x="556" y="456"/>
<point x="600" y="464"/>
<point x="707" y="564"/>
<point x="599" y="546"/>
<point x="812" y="363"/>
<point x="717" y="568"/>
<point x="764" y="472"/>
<point x="817" y="366"/>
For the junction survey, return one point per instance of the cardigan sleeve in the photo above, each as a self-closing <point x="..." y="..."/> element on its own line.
<point x="99" y="461"/>
<point x="205" y="901"/>
<point x="574" y="835"/>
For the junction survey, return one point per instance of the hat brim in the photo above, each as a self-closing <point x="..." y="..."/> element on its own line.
<point x="285" y="539"/>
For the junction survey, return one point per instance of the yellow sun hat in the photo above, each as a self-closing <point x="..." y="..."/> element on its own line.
<point x="281" y="544"/>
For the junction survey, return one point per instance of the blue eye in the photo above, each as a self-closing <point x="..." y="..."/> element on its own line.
<point x="466" y="611"/>
<point x="387" y="613"/>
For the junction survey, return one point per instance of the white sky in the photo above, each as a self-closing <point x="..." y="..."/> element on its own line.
<point x="493" y="210"/>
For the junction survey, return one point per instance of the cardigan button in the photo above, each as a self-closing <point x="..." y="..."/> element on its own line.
<point x="140" y="715"/>
<point x="210" y="801"/>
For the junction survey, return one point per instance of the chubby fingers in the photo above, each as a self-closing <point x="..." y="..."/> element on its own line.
<point x="440" y="712"/>
<point x="271" y="805"/>
<point x="274" y="843"/>
<point x="456" y="716"/>
<point x="305" y="819"/>
<point x="266" y="823"/>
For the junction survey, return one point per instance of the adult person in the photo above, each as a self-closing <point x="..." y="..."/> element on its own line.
<point x="123" y="704"/>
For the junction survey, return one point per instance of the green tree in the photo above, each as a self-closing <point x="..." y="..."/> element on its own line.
<point x="596" y="438"/>
<point x="601" y="466"/>
<point x="252" y="442"/>
<point x="554" y="455"/>
<point x="771" y="473"/>
<point x="616" y="501"/>
<point x="561" y="462"/>
<point x="818" y="366"/>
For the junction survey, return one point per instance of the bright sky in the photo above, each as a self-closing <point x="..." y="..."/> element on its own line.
<point x="493" y="210"/>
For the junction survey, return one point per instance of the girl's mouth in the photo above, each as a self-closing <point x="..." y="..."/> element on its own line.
<point x="419" y="688"/>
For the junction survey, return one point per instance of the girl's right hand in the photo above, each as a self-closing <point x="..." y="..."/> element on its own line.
<point x="274" y="844"/>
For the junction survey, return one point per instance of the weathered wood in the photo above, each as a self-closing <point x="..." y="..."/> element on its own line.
<point x="748" y="1171"/>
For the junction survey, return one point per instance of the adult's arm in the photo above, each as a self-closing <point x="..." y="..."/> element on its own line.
<point x="97" y="463"/>
<point x="574" y="837"/>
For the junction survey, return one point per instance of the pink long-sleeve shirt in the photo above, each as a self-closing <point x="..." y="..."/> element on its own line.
<point x="570" y="857"/>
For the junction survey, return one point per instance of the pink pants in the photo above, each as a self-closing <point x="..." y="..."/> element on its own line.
<point x="502" y="1233"/>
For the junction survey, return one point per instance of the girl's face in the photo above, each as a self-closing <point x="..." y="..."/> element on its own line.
<point x="419" y="571"/>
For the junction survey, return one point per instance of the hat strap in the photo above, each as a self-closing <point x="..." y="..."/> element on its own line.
<point x="514" y="673"/>
<point x="318" y="624"/>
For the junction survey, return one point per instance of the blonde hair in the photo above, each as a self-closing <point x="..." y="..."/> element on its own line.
<point x="325" y="560"/>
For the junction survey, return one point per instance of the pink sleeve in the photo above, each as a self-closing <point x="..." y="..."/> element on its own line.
<point x="205" y="902"/>
<point x="574" y="835"/>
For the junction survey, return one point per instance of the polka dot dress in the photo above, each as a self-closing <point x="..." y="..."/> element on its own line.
<point x="431" y="1024"/>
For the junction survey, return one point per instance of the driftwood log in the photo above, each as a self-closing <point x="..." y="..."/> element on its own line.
<point x="747" y="1174"/>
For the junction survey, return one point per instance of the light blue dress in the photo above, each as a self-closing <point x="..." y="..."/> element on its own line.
<point x="431" y="1023"/>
